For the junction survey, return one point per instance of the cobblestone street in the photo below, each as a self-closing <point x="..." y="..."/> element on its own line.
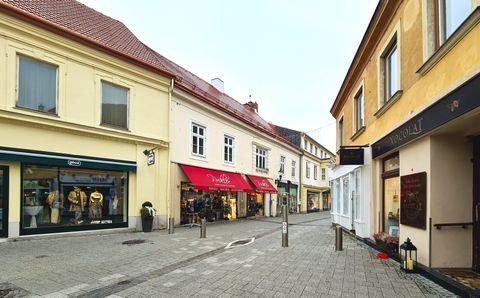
<point x="183" y="265"/>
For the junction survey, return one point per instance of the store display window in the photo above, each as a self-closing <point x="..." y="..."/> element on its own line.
<point x="313" y="201"/>
<point x="211" y="205"/>
<point x="59" y="199"/>
<point x="255" y="203"/>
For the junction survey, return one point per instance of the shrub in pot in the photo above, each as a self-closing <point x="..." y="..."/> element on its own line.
<point x="147" y="213"/>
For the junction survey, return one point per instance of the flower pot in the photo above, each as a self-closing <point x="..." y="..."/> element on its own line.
<point x="147" y="223"/>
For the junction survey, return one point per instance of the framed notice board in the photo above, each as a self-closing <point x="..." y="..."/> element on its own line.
<point x="413" y="204"/>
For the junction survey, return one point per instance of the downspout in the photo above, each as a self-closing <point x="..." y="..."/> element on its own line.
<point x="300" y="180"/>
<point x="169" y="192"/>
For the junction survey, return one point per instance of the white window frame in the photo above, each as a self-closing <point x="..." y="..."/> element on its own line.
<point x="305" y="144"/>
<point x="294" y="168"/>
<point x="307" y="169"/>
<point x="261" y="154"/>
<point x="282" y="164"/>
<point x="198" y="136"/>
<point x="324" y="174"/>
<point x="338" y="192"/>
<point x="357" y="177"/>
<point x="345" y="195"/>
<point x="227" y="147"/>
<point x="316" y="151"/>
<point x="315" y="172"/>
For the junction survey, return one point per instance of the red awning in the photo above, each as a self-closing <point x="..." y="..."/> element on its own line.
<point x="206" y="179"/>
<point x="262" y="184"/>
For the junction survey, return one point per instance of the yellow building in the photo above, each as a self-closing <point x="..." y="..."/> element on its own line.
<point x="411" y="97"/>
<point x="82" y="104"/>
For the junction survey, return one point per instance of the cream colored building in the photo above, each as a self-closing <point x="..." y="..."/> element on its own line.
<point x="227" y="143"/>
<point x="76" y="112"/>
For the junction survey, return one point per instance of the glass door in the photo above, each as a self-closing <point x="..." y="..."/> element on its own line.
<point x="3" y="201"/>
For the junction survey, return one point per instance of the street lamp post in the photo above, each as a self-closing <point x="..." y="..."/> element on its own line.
<point x="284" y="214"/>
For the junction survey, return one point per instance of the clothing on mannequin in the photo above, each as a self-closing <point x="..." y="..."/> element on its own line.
<point x="78" y="200"/>
<point x="96" y="203"/>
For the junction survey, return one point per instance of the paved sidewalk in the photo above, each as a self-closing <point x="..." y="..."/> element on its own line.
<point x="183" y="265"/>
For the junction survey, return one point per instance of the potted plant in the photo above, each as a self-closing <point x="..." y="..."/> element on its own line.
<point x="147" y="213"/>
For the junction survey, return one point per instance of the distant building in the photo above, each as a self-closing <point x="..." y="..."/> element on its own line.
<point x="314" y="172"/>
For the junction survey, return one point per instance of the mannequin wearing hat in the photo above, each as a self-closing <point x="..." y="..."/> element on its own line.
<point x="96" y="203"/>
<point x="78" y="200"/>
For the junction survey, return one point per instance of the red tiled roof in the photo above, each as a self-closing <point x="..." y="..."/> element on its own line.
<point x="77" y="19"/>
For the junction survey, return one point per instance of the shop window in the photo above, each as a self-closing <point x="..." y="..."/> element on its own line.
<point x="228" y="145"/>
<point x="261" y="158"/>
<point x="198" y="140"/>
<point x="59" y="199"/>
<point x="282" y="164"/>
<point x="323" y="174"/>
<point x="114" y="105"/>
<point x="294" y="168"/>
<point x="338" y="198"/>
<point x="307" y="169"/>
<point x="37" y="85"/>
<point x="357" y="194"/>
<point x="391" y="192"/>
<point x="345" y="197"/>
<point x="313" y="201"/>
<point x="315" y="172"/>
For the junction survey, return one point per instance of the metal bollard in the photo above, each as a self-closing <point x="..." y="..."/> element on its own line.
<point x="203" y="228"/>
<point x="338" y="238"/>
<point x="285" y="226"/>
<point x="171" y="225"/>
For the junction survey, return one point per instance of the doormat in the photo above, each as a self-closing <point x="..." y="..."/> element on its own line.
<point x="465" y="277"/>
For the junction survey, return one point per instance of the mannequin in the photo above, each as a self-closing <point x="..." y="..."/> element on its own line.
<point x="78" y="200"/>
<point x="55" y="200"/>
<point x="96" y="203"/>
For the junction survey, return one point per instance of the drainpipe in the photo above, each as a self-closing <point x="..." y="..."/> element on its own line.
<point x="300" y="181"/>
<point x="169" y="192"/>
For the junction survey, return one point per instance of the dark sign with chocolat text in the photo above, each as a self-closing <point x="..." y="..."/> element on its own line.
<point x="413" y="204"/>
<point x="460" y="101"/>
<point x="350" y="156"/>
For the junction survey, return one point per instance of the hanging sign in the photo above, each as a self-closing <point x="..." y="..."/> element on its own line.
<point x="349" y="156"/>
<point x="151" y="158"/>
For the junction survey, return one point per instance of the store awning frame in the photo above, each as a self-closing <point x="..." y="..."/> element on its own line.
<point x="262" y="184"/>
<point x="216" y="180"/>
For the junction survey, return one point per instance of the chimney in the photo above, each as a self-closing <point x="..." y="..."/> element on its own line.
<point x="253" y="106"/>
<point x="218" y="84"/>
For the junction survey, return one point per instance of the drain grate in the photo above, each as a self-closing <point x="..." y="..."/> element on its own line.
<point x="41" y="256"/>
<point x="241" y="242"/>
<point x="133" y="242"/>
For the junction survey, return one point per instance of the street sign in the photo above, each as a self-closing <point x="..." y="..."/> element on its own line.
<point x="151" y="158"/>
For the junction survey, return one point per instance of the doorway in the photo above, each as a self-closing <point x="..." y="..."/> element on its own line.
<point x="476" y="204"/>
<point x="3" y="201"/>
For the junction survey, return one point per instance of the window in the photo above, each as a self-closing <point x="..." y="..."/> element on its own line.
<point x="359" y="110"/>
<point x="294" y="168"/>
<point x="345" y="196"/>
<point x="316" y="150"/>
<point x="260" y="158"/>
<point x="315" y="172"/>
<point x="340" y="132"/>
<point x="338" y="199"/>
<point x="73" y="197"/>
<point x="37" y="85"/>
<point x="228" y="143"/>
<point x="305" y="144"/>
<point x="357" y="195"/>
<point x="450" y="14"/>
<point x="114" y="105"/>
<point x="198" y="140"/>
<point x="282" y="164"/>
<point x="307" y="169"/>
<point x="390" y="68"/>
<point x="323" y="174"/>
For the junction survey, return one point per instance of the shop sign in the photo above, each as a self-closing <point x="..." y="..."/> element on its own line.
<point x="74" y="163"/>
<point x="351" y="156"/>
<point x="460" y="101"/>
<point x="413" y="204"/>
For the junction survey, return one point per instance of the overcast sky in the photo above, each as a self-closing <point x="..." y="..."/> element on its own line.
<point x="290" y="56"/>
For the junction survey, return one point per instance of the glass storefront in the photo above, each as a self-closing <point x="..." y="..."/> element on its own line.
<point x="293" y="202"/>
<point x="3" y="201"/>
<point x="391" y="195"/>
<point x="213" y="205"/>
<point x="255" y="204"/>
<point x="68" y="199"/>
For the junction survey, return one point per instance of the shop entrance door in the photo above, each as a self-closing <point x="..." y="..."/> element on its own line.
<point x="3" y="201"/>
<point x="476" y="204"/>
